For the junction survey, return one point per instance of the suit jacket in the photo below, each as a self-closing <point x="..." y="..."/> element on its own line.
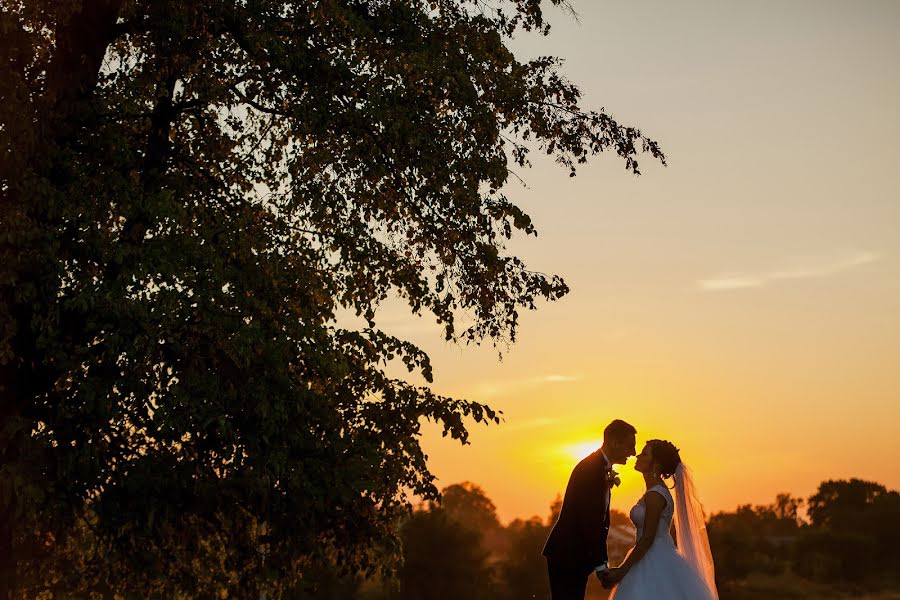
<point x="580" y="533"/>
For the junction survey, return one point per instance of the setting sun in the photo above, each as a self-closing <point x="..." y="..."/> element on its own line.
<point x="583" y="449"/>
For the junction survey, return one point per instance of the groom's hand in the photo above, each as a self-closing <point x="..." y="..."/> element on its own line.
<point x="611" y="577"/>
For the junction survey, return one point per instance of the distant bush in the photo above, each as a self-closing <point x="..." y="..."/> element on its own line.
<point x="848" y="543"/>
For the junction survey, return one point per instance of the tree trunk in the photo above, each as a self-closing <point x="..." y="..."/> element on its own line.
<point x="81" y="41"/>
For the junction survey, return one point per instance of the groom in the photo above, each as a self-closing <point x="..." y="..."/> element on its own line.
<point x="576" y="546"/>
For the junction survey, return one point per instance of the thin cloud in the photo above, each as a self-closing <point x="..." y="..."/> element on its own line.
<point x="731" y="282"/>
<point x="557" y="379"/>
<point x="801" y="271"/>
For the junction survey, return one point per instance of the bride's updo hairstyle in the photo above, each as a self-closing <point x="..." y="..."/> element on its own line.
<point x="665" y="454"/>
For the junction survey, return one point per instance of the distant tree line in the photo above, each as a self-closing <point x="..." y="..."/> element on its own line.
<point x="841" y="542"/>
<point x="457" y="548"/>
<point x="844" y="537"/>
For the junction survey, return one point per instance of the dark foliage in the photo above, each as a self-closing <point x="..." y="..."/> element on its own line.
<point x="191" y="194"/>
<point x="848" y="542"/>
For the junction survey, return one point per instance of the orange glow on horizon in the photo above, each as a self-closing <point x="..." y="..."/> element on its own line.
<point x="734" y="303"/>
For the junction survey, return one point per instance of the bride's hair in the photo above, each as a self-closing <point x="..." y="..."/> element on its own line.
<point x="665" y="454"/>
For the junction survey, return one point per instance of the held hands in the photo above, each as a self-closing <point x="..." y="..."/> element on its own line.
<point x="610" y="577"/>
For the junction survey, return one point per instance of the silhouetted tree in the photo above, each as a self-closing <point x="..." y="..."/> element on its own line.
<point x="840" y="505"/>
<point x="191" y="193"/>
<point x="468" y="504"/>
<point x="523" y="571"/>
<point x="854" y="532"/>
<point x="787" y="510"/>
<point x="324" y="581"/>
<point x="443" y="560"/>
<point x="755" y="539"/>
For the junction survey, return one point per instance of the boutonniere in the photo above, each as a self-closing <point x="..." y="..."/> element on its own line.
<point x="613" y="478"/>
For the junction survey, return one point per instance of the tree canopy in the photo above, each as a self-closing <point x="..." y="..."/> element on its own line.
<point x="191" y="194"/>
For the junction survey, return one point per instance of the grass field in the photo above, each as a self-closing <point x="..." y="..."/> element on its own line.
<point x="790" y="587"/>
<point x="776" y="587"/>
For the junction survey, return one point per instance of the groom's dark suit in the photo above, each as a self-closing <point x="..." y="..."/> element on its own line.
<point x="577" y="543"/>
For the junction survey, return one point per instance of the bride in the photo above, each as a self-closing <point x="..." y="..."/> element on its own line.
<point x="655" y="569"/>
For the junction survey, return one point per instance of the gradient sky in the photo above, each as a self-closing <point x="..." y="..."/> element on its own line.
<point x="743" y="302"/>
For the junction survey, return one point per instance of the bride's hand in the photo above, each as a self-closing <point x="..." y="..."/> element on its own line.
<point x="612" y="577"/>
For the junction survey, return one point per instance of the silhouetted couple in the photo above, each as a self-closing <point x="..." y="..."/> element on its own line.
<point x="654" y="569"/>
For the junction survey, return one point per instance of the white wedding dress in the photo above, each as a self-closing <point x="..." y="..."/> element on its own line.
<point x="663" y="573"/>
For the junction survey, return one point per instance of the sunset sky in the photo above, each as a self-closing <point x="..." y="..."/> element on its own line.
<point x="743" y="302"/>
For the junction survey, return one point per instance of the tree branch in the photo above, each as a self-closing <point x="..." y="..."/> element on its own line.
<point x="257" y="105"/>
<point x="81" y="43"/>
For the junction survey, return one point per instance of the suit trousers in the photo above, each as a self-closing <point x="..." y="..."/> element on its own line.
<point x="567" y="581"/>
